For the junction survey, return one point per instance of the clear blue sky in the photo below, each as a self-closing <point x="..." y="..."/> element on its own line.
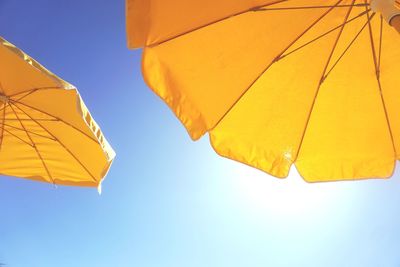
<point x="167" y="201"/>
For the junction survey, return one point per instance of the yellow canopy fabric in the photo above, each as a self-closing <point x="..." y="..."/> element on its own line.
<point x="47" y="133"/>
<point x="310" y="82"/>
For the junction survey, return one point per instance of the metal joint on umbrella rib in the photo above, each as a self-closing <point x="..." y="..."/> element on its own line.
<point x="255" y="9"/>
<point x="378" y="75"/>
<point x="279" y="57"/>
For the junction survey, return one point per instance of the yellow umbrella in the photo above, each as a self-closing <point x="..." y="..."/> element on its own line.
<point x="46" y="133"/>
<point x="277" y="82"/>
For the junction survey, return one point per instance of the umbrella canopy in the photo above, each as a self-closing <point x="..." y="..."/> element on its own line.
<point x="46" y="133"/>
<point x="276" y="82"/>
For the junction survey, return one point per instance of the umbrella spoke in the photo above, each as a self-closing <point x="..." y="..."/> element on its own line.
<point x="3" y="120"/>
<point x="29" y="92"/>
<point x="23" y="119"/>
<point x="322" y="80"/>
<point x="261" y="8"/>
<point x="377" y="72"/>
<point x="307" y="7"/>
<point x="380" y="44"/>
<point x="20" y="129"/>
<point x="372" y="46"/>
<point x="4" y="106"/>
<point x="34" y="90"/>
<point x="20" y="122"/>
<point x="35" y="147"/>
<point x="58" y="141"/>
<point x="1" y="88"/>
<point x="217" y="21"/>
<point x="276" y="60"/>
<point x="348" y="47"/>
<point x="16" y="102"/>
<point x="323" y="35"/>
<point x="16" y="136"/>
<point x="337" y="41"/>
<point x="26" y="94"/>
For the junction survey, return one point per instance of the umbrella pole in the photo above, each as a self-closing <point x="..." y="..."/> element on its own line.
<point x="395" y="22"/>
<point x="389" y="10"/>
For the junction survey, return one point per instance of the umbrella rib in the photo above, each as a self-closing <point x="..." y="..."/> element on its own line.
<point x="22" y="97"/>
<point x="256" y="9"/>
<point x="5" y="106"/>
<point x="16" y="136"/>
<point x="273" y="61"/>
<point x="321" y="81"/>
<point x="323" y="35"/>
<point x="17" y="119"/>
<point x="348" y="47"/>
<point x="58" y="141"/>
<point x="35" y="89"/>
<point x="380" y="45"/>
<point x="217" y="21"/>
<point x="307" y="7"/>
<point x="35" y="147"/>
<point x="28" y="93"/>
<point x="12" y="119"/>
<point x="1" y="88"/>
<point x="2" y="126"/>
<point x="380" y="85"/>
<point x="58" y="119"/>
<point x="20" y="129"/>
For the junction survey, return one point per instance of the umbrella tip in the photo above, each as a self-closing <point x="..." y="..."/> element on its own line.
<point x="99" y="188"/>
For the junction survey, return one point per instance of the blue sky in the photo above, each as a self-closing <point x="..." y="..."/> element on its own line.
<point x="168" y="201"/>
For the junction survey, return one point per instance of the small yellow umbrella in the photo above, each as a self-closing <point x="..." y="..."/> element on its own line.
<point x="46" y="133"/>
<point x="277" y="82"/>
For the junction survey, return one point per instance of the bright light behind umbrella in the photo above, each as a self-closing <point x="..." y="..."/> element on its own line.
<point x="291" y="197"/>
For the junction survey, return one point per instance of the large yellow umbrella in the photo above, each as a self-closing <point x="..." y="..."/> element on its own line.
<point x="310" y="82"/>
<point x="46" y="131"/>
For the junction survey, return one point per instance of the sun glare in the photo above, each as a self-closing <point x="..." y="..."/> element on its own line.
<point x="288" y="197"/>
